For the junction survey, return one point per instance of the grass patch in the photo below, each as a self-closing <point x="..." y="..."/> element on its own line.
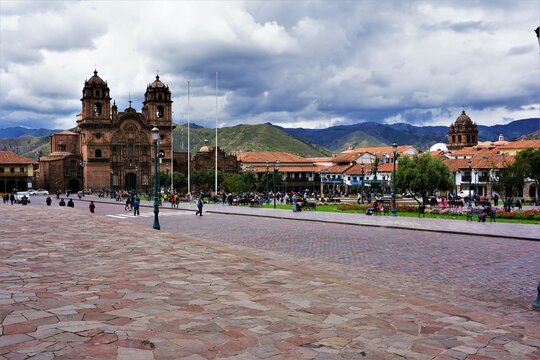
<point x="360" y="209"/>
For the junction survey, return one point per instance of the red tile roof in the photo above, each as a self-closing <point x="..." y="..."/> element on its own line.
<point x="481" y="161"/>
<point x="270" y="157"/>
<point x="522" y="144"/>
<point x="262" y="169"/>
<point x="8" y="157"/>
<point x="352" y="155"/>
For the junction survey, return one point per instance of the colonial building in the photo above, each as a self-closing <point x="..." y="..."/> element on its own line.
<point x="297" y="173"/>
<point x="463" y="132"/>
<point x="16" y="172"/>
<point x="110" y="148"/>
<point x="367" y="169"/>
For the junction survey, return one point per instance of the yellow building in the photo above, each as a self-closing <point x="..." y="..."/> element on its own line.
<point x="16" y="172"/>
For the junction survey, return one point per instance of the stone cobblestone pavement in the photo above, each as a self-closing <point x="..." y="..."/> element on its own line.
<point x="75" y="286"/>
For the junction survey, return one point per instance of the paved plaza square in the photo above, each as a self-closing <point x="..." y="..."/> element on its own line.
<point x="76" y="285"/>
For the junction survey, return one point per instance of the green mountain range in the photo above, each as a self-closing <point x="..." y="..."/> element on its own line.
<point x="242" y="138"/>
<point x="302" y="142"/>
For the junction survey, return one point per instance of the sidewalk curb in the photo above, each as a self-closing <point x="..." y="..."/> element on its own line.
<point x="395" y="227"/>
<point x="378" y="226"/>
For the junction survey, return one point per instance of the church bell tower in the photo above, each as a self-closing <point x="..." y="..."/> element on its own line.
<point x="96" y="102"/>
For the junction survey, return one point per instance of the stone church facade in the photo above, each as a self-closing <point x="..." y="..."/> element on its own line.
<point x="110" y="148"/>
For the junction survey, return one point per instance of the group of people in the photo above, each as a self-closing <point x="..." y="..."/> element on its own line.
<point x="133" y="202"/>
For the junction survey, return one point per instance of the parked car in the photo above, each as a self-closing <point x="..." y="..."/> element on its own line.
<point x="465" y="194"/>
<point x="38" y="192"/>
<point x="19" y="195"/>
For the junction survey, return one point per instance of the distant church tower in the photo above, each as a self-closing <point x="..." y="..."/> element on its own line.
<point x="462" y="133"/>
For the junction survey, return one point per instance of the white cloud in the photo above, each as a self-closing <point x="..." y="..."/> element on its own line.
<point x="309" y="63"/>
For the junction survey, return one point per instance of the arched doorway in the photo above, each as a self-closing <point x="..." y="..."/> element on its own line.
<point x="130" y="181"/>
<point x="532" y="191"/>
<point x="73" y="185"/>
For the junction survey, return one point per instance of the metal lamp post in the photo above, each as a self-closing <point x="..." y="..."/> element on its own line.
<point x="111" y="183"/>
<point x="82" y="163"/>
<point x="363" y="172"/>
<point x="155" y="137"/>
<point x="394" y="211"/>
<point x="276" y="164"/>
<point x="167" y="170"/>
<point x="469" y="162"/>
<point x="266" y="182"/>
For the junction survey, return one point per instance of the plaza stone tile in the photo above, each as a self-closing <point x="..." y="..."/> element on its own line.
<point x="112" y="290"/>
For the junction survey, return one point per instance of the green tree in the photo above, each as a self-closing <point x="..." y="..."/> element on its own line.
<point x="529" y="161"/>
<point x="423" y="175"/>
<point x="510" y="179"/>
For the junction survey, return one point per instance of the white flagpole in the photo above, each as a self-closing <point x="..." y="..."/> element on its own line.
<point x="216" y="182"/>
<point x="172" y="155"/>
<point x="188" y="146"/>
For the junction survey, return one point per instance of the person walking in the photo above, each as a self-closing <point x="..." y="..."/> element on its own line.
<point x="12" y="198"/>
<point x="92" y="207"/>
<point x="200" y="205"/>
<point x="48" y="201"/>
<point x="136" y="204"/>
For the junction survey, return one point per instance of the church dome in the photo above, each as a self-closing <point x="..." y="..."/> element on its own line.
<point x="463" y="118"/>
<point x="157" y="84"/>
<point x="95" y="80"/>
<point x="205" y="147"/>
<point x="438" y="147"/>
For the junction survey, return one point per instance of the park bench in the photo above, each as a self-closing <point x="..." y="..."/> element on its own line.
<point x="482" y="203"/>
<point x="387" y="205"/>
<point x="475" y="213"/>
<point x="310" y="206"/>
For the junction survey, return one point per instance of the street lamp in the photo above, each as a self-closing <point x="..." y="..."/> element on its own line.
<point x="111" y="172"/>
<point x="167" y="170"/>
<point x="469" y="162"/>
<point x="136" y="179"/>
<point x="363" y="172"/>
<point x="276" y="164"/>
<point x="266" y="185"/>
<point x="82" y="163"/>
<point x="155" y="137"/>
<point x="396" y="155"/>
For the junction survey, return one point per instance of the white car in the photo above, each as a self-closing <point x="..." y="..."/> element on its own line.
<point x="465" y="193"/>
<point x="38" y="192"/>
<point x="19" y="196"/>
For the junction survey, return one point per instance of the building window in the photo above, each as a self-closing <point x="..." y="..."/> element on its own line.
<point x="114" y="149"/>
<point x="21" y="169"/>
<point x="98" y="135"/>
<point x="159" y="112"/>
<point x="130" y="149"/>
<point x="12" y="170"/>
<point x="1" y="170"/>
<point x="98" y="153"/>
<point x="97" y="109"/>
<point x="61" y="147"/>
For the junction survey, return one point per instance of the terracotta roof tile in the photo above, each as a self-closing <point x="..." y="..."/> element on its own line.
<point x="270" y="157"/>
<point x="262" y="169"/>
<point x="481" y="161"/>
<point x="8" y="157"/>
<point x="522" y="144"/>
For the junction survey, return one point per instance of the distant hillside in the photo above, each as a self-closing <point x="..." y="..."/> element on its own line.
<point x="303" y="142"/>
<point x="241" y="138"/>
<point x="30" y="146"/>
<point x="18" y="131"/>
<point x="337" y="138"/>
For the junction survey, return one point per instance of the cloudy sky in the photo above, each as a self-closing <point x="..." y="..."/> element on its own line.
<point x="292" y="63"/>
